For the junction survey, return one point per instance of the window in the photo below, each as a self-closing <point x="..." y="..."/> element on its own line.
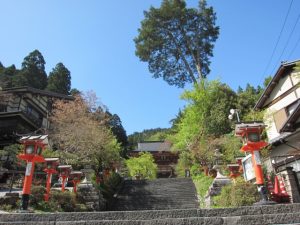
<point x="280" y="118"/>
<point x="3" y="107"/>
<point x="291" y="108"/>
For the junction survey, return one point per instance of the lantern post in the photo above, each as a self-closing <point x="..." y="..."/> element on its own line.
<point x="51" y="164"/>
<point x="65" y="171"/>
<point x="250" y="132"/>
<point x="234" y="170"/>
<point x="32" y="153"/>
<point x="76" y="178"/>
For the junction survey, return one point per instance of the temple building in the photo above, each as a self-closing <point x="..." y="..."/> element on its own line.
<point x="165" y="159"/>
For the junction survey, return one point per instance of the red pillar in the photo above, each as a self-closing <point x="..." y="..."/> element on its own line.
<point x="63" y="183"/>
<point x="28" y="178"/>
<point x="48" y="186"/>
<point x="257" y="167"/>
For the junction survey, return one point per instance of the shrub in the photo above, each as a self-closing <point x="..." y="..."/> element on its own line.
<point x="66" y="201"/>
<point x="37" y="195"/>
<point x="202" y="183"/>
<point x="142" y="166"/>
<point x="237" y="194"/>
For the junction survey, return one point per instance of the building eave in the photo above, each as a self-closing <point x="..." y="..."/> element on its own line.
<point x="278" y="75"/>
<point x="36" y="91"/>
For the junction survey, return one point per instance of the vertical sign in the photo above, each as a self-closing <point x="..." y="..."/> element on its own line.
<point x="28" y="169"/>
<point x="249" y="173"/>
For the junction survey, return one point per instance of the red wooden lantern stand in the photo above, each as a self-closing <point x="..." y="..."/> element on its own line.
<point x="234" y="170"/>
<point x="250" y="132"/>
<point x="65" y="171"/>
<point x="51" y="164"/>
<point x="33" y="147"/>
<point x="76" y="178"/>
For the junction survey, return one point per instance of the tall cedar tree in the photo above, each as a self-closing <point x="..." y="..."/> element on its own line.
<point x="59" y="80"/>
<point x="33" y="72"/>
<point x="177" y="42"/>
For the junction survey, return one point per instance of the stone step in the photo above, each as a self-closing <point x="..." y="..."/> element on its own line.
<point x="274" y="214"/>
<point x="156" y="194"/>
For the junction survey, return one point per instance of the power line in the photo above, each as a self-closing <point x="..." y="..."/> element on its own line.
<point x="278" y="39"/>
<point x="296" y="45"/>
<point x="287" y="42"/>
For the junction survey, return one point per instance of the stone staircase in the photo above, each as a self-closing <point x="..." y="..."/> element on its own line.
<point x="254" y="215"/>
<point x="159" y="194"/>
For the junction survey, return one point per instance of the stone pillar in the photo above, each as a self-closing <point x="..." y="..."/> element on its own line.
<point x="291" y="185"/>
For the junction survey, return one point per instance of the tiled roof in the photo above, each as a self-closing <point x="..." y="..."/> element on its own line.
<point x="153" y="146"/>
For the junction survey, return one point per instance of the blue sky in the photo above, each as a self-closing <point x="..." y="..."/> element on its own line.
<point x="94" y="39"/>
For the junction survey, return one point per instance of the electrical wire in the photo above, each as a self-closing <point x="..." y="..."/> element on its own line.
<point x="296" y="45"/>
<point x="287" y="42"/>
<point x="278" y="39"/>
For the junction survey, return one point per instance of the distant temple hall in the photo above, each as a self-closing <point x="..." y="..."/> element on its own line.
<point x="162" y="154"/>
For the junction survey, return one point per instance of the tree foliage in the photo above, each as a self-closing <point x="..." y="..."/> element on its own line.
<point x="142" y="166"/>
<point x="155" y="134"/>
<point x="6" y="76"/>
<point x="177" y="42"/>
<point x="75" y="130"/>
<point x="33" y="72"/>
<point x="119" y="132"/>
<point x="59" y="80"/>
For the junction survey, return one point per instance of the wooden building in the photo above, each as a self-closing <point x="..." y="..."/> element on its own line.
<point x="24" y="110"/>
<point x="281" y="102"/>
<point x="161" y="151"/>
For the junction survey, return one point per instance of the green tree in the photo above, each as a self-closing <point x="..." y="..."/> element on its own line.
<point x="142" y="166"/>
<point x="177" y="42"/>
<point x="204" y="119"/>
<point x="33" y="72"/>
<point x="6" y="76"/>
<point x="74" y="92"/>
<point x="119" y="132"/>
<point x="59" y="80"/>
<point x="156" y="134"/>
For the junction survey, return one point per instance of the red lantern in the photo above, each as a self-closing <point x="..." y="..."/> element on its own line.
<point x="234" y="170"/>
<point x="76" y="178"/>
<point x="33" y="147"/>
<point x="65" y="171"/>
<point x="250" y="132"/>
<point x="51" y="164"/>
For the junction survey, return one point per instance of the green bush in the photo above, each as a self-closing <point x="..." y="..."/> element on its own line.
<point x="113" y="181"/>
<point x="142" y="166"/>
<point x="202" y="183"/>
<point x="237" y="194"/>
<point x="64" y="201"/>
<point x="110" y="186"/>
<point x="37" y="195"/>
